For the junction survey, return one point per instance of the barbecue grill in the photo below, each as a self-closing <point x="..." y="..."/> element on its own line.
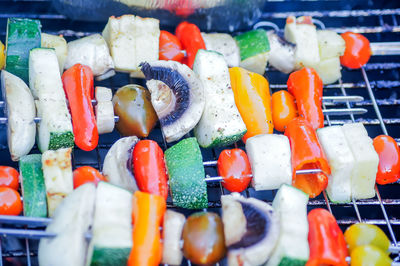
<point x="378" y="83"/>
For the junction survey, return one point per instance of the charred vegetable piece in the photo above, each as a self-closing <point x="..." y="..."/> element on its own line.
<point x="186" y="175"/>
<point x="55" y="127"/>
<point x="358" y="50"/>
<point x="251" y="229"/>
<point x="104" y="110"/>
<point x="172" y="234"/>
<point x="303" y="33"/>
<point x="57" y="172"/>
<point x="117" y="167"/>
<point x="254" y="48"/>
<point x="177" y="96"/>
<point x="32" y="185"/>
<point x="170" y="47"/>
<point x="93" y="52"/>
<point x="149" y="168"/>
<point x="10" y="201"/>
<point x="234" y="167"/>
<point x="284" y="109"/>
<point x="221" y="123"/>
<point x="369" y="255"/>
<point x="327" y="244"/>
<point x="253" y="100"/>
<point x="9" y="177"/>
<point x="191" y="39"/>
<point x="21" y="111"/>
<point x="341" y="161"/>
<point x="86" y="174"/>
<point x="269" y="156"/>
<point x="22" y="35"/>
<point x="224" y="44"/>
<point x="70" y="224"/>
<point x="59" y="44"/>
<point x="111" y="239"/>
<point x="292" y="248"/>
<point x="137" y="117"/>
<point x="148" y="213"/>
<point x="282" y="53"/>
<point x="203" y="238"/>
<point x="366" y="234"/>
<point x="306" y="86"/>
<point x="389" y="159"/>
<point x="366" y="161"/>
<point x="78" y="87"/>
<point x="132" y="40"/>
<point x="307" y="153"/>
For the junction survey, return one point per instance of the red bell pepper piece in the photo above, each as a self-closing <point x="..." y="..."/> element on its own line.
<point x="78" y="87"/>
<point x="307" y="154"/>
<point x="389" y="159"/>
<point x="87" y="174"/>
<point x="170" y="47"/>
<point x="147" y="216"/>
<point x="326" y="240"/>
<point x="357" y="52"/>
<point x="190" y="36"/>
<point x="9" y="177"/>
<point x="149" y="168"/>
<point x="306" y="86"/>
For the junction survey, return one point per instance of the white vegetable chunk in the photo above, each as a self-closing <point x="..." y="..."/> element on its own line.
<point x="93" y="52"/>
<point x="224" y="44"/>
<point x="341" y="161"/>
<point x="104" y="110"/>
<point x="172" y="235"/>
<point x="329" y="70"/>
<point x="366" y="160"/>
<point x="21" y="111"/>
<point x="269" y="156"/>
<point x="70" y="224"/>
<point x="60" y="46"/>
<point x="281" y="55"/>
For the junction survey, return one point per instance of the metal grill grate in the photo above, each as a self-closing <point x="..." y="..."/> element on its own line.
<point x="378" y="82"/>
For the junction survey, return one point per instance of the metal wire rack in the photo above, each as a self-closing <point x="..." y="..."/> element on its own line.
<point x="378" y="82"/>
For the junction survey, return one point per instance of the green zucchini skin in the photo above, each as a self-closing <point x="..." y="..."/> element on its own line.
<point x="292" y="262"/>
<point x="186" y="174"/>
<point x="252" y="43"/>
<point x="22" y="36"/>
<point x="110" y="256"/>
<point x="32" y="186"/>
<point x="59" y="140"/>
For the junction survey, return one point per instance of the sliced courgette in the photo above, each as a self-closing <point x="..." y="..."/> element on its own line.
<point x="57" y="172"/>
<point x="224" y="44"/>
<point x="220" y="123"/>
<point x="55" y="127"/>
<point x="32" y="185"/>
<point x="186" y="174"/>
<point x="22" y="35"/>
<point x="111" y="240"/>
<point x="290" y="204"/>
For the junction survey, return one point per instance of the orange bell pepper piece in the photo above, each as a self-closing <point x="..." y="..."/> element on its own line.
<point x="253" y="100"/>
<point x="170" y="47"/>
<point x="326" y="240"/>
<point x="307" y="154"/>
<point x="78" y="87"/>
<point x="306" y="86"/>
<point x="147" y="216"/>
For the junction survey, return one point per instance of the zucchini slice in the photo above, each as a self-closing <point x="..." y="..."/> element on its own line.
<point x="220" y="123"/>
<point x="57" y="171"/>
<point x="104" y="110"/>
<point x="59" y="44"/>
<point x="22" y="36"/>
<point x="117" y="167"/>
<point x="93" y="52"/>
<point x="186" y="174"/>
<point x="55" y="128"/>
<point x="112" y="226"/>
<point x="366" y="161"/>
<point x="290" y="204"/>
<point x="224" y="44"/>
<point x="70" y="224"/>
<point x="21" y="111"/>
<point x="32" y="185"/>
<point x="172" y="237"/>
<point x="341" y="161"/>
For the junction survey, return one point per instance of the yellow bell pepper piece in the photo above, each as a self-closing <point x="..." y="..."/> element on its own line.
<point x="253" y="100"/>
<point x="369" y="255"/>
<point x="366" y="234"/>
<point x="2" y="56"/>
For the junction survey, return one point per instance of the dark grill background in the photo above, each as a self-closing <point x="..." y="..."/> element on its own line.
<point x="382" y="72"/>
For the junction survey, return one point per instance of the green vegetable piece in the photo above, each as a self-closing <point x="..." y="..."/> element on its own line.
<point x="110" y="256"/>
<point x="252" y="43"/>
